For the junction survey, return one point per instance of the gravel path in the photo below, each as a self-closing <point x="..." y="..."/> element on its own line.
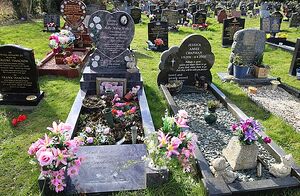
<point x="278" y="102"/>
<point x="212" y="139"/>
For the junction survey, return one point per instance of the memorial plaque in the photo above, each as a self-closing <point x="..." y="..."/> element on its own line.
<point x="158" y="30"/>
<point x="230" y="27"/>
<point x="54" y="19"/>
<point x="295" y="20"/>
<point x="112" y="33"/>
<point x="249" y="45"/>
<point x="190" y="62"/>
<point x="296" y="59"/>
<point x="110" y="168"/>
<point x="170" y="16"/>
<point x="199" y="18"/>
<point x="136" y="14"/>
<point x="221" y="16"/>
<point x="19" y="76"/>
<point x="73" y="12"/>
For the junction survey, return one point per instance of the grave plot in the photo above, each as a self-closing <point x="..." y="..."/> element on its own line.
<point x="192" y="90"/>
<point x="281" y="43"/>
<point x="71" y="46"/>
<point x="279" y="102"/>
<point x="111" y="114"/>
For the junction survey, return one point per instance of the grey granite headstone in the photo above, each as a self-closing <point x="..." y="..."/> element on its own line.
<point x="249" y="45"/>
<point x="170" y="16"/>
<point x="270" y="24"/>
<point x="295" y="20"/>
<point x="111" y="168"/>
<point x="112" y="33"/>
<point x="190" y="62"/>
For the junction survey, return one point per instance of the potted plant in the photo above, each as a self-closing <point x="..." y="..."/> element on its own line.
<point x="240" y="70"/>
<point x="210" y="116"/>
<point x="73" y="61"/>
<point x="59" y="43"/>
<point x="56" y="156"/>
<point x="260" y="70"/>
<point x="174" y="86"/>
<point x="241" y="151"/>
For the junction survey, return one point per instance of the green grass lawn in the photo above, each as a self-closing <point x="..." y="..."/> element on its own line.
<point x="18" y="177"/>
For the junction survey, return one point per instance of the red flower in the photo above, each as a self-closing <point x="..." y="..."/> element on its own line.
<point x="22" y="117"/>
<point x="14" y="122"/>
<point x="114" y="111"/>
<point x="267" y="140"/>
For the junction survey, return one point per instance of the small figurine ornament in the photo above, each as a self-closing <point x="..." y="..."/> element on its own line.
<point x="218" y="168"/>
<point x="282" y="169"/>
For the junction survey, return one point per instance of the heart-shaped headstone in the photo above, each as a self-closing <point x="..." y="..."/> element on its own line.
<point x="111" y="32"/>
<point x="73" y="12"/>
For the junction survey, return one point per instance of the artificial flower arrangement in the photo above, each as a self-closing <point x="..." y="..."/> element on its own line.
<point x="247" y="131"/>
<point x="202" y="26"/>
<point x="60" y="41"/>
<point x="56" y="155"/>
<point x="158" y="42"/>
<point x="120" y="116"/>
<point x="73" y="61"/>
<point x="172" y="143"/>
<point x="20" y="118"/>
<point x="281" y="35"/>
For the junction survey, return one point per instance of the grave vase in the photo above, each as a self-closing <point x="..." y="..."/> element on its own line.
<point x="240" y="71"/>
<point x="59" y="58"/>
<point x="210" y="117"/>
<point x="240" y="156"/>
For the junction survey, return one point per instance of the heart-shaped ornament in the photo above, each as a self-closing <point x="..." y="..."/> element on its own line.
<point x="111" y="32"/>
<point x="73" y="12"/>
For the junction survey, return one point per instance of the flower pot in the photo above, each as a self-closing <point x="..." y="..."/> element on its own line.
<point x="240" y="156"/>
<point x="240" y="71"/>
<point x="275" y="84"/>
<point x="128" y="96"/>
<point x="108" y="117"/>
<point x="298" y="73"/>
<point x="210" y="117"/>
<point x="59" y="59"/>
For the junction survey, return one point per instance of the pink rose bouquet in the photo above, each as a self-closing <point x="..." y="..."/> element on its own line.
<point x="56" y="155"/>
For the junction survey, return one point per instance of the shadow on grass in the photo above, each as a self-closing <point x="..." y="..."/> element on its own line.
<point x="140" y="55"/>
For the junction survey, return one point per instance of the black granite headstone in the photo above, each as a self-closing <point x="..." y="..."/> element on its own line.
<point x="190" y="62"/>
<point x="199" y="17"/>
<point x="230" y="26"/>
<point x="296" y="59"/>
<point x="157" y="13"/>
<point x="158" y="30"/>
<point x="136" y="14"/>
<point x="51" y="18"/>
<point x="112" y="33"/>
<point x="18" y="77"/>
<point x="192" y="8"/>
<point x="182" y="15"/>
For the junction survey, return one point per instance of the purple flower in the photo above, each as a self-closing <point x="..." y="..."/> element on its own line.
<point x="90" y="140"/>
<point x="234" y="127"/>
<point x="250" y="136"/>
<point x="267" y="140"/>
